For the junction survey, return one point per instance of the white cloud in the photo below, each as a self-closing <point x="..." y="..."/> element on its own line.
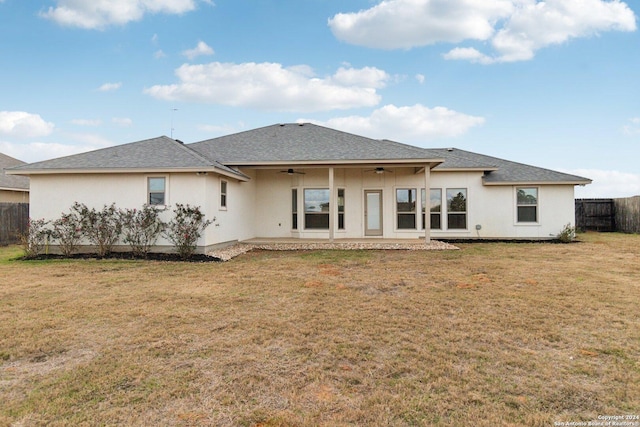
<point x="23" y="125"/>
<point x="201" y="49"/>
<point x="159" y="54"/>
<point x="469" y="54"/>
<point x="607" y="183"/>
<point x="99" y="14"/>
<point x="107" y="87"/>
<point x="535" y="25"/>
<point x="404" y="24"/>
<point x="420" y="78"/>
<point x="415" y="124"/>
<point x="37" y="151"/>
<point x="515" y="29"/>
<point x="87" y="122"/>
<point x="270" y="86"/>
<point x="122" y="121"/>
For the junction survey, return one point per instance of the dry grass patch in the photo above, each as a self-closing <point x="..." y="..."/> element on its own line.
<point x="493" y="334"/>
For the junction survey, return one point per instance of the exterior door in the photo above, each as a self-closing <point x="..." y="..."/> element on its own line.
<point x="373" y="212"/>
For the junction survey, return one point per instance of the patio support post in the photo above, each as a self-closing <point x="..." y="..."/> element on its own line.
<point x="427" y="204"/>
<point x="332" y="204"/>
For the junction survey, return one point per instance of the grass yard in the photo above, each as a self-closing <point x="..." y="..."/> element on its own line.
<point x="496" y="334"/>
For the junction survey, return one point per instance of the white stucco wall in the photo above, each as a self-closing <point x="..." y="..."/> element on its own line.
<point x="52" y="195"/>
<point x="235" y="221"/>
<point x="493" y="208"/>
<point x="261" y="207"/>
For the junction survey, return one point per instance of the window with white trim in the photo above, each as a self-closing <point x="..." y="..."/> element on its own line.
<point x="456" y="208"/>
<point x="294" y="208"/>
<point x="406" y="208"/>
<point x="223" y="194"/>
<point x="435" y="208"/>
<point x="156" y="190"/>
<point x="316" y="208"/>
<point x="340" y="208"/>
<point x="527" y="204"/>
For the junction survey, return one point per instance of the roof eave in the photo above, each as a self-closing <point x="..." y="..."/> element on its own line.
<point x="237" y="175"/>
<point x="16" y="189"/>
<point x="503" y="183"/>
<point x="328" y="163"/>
<point x="471" y="169"/>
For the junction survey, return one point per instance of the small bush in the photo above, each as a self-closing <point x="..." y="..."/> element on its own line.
<point x="101" y="228"/>
<point x="35" y="239"/>
<point x="185" y="228"/>
<point x="567" y="235"/>
<point x="141" y="228"/>
<point x="67" y="231"/>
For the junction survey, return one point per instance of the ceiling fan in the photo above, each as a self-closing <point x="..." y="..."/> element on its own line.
<point x="379" y="170"/>
<point x="292" y="171"/>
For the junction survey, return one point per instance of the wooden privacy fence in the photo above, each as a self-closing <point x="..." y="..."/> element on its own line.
<point x="14" y="220"/>
<point x="595" y="215"/>
<point x="627" y="214"/>
<point x="609" y="214"/>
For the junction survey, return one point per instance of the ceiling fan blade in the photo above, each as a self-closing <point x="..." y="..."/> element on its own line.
<point x="379" y="170"/>
<point x="292" y="171"/>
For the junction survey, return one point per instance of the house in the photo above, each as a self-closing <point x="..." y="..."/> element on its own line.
<point x="13" y="189"/>
<point x="305" y="181"/>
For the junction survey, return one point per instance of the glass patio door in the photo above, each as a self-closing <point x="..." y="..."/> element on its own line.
<point x="373" y="213"/>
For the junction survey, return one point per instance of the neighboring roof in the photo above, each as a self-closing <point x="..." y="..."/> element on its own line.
<point x="11" y="182"/>
<point x="503" y="172"/>
<point x="305" y="142"/>
<point x="161" y="153"/>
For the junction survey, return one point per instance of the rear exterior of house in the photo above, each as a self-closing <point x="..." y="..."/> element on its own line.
<point x="304" y="181"/>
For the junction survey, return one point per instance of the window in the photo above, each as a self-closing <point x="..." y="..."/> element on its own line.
<point x="527" y="204"/>
<point x="294" y="208"/>
<point x="156" y="191"/>
<point x="456" y="208"/>
<point x="340" y="208"/>
<point x="223" y="194"/>
<point x="406" y="208"/>
<point x="316" y="208"/>
<point x="435" y="206"/>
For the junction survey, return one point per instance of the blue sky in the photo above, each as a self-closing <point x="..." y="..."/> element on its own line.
<point x="551" y="83"/>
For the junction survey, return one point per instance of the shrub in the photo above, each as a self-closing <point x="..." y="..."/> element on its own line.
<point x="141" y="228"/>
<point x="101" y="228"/>
<point x="35" y="239"/>
<point x="567" y="235"/>
<point x="67" y="231"/>
<point x="185" y="228"/>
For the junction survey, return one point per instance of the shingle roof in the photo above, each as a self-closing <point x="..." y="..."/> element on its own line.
<point x="155" y="153"/>
<point x="306" y="142"/>
<point x="500" y="171"/>
<point x="291" y="143"/>
<point x="12" y="181"/>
